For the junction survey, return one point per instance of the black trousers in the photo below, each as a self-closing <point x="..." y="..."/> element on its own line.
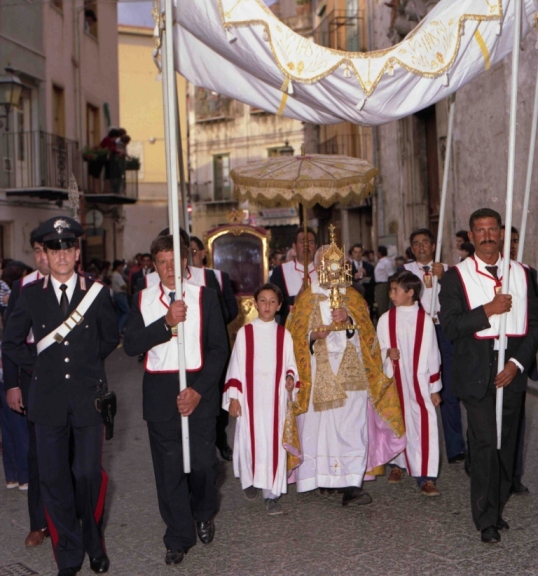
<point x="36" y="509"/>
<point x="65" y="502"/>
<point x="491" y="469"/>
<point x="183" y="500"/>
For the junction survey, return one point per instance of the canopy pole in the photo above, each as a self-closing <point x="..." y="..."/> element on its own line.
<point x="184" y="217"/>
<point x="509" y="202"/>
<point x="171" y="157"/>
<point x="448" y="159"/>
<point x="305" y="248"/>
<point x="166" y="128"/>
<point x="530" y="165"/>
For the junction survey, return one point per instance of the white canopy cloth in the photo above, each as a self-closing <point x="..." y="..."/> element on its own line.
<point x="240" y="49"/>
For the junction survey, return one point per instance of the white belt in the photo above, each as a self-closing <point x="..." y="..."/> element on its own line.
<point x="76" y="317"/>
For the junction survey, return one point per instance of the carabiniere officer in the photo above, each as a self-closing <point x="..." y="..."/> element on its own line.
<point x="75" y="329"/>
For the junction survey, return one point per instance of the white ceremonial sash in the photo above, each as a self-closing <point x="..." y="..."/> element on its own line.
<point x="293" y="274"/>
<point x="426" y="293"/>
<point x="28" y="279"/>
<point x="163" y="358"/>
<point x="480" y="288"/>
<point x="75" y="318"/>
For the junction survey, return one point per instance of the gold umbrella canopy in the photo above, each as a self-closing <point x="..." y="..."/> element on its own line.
<point x="311" y="179"/>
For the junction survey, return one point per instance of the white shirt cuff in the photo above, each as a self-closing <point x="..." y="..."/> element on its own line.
<point x="517" y="364"/>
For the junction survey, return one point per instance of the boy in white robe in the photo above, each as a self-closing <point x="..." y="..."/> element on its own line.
<point x="261" y="377"/>
<point x="410" y="353"/>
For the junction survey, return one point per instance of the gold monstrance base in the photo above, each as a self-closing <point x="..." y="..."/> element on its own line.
<point x="336" y="327"/>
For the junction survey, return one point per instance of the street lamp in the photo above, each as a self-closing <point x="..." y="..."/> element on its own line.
<point x="10" y="92"/>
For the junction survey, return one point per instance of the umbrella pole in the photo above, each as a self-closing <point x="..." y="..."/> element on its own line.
<point x="509" y="201"/>
<point x="166" y="129"/>
<point x="171" y="157"/>
<point x="305" y="248"/>
<point x="530" y="164"/>
<point x="448" y="158"/>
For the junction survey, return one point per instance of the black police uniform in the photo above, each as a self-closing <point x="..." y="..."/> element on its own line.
<point x="61" y="403"/>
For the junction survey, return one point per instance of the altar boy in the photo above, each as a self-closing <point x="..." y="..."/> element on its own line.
<point x="410" y="354"/>
<point x="261" y="377"/>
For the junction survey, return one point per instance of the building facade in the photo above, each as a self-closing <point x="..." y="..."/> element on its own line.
<point x="65" y="54"/>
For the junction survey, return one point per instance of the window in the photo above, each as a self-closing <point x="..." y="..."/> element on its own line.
<point x="280" y="151"/>
<point x="221" y="177"/>
<point x="92" y="126"/>
<point x="58" y="111"/>
<point x="210" y="106"/>
<point x="90" y="17"/>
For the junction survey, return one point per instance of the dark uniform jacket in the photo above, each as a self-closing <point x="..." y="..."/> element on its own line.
<point x="66" y="376"/>
<point x="277" y="278"/>
<point x="160" y="390"/>
<point x="473" y="358"/>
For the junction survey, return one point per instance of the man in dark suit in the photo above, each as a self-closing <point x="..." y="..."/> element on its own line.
<point x="220" y="282"/>
<point x="471" y="307"/>
<point x="17" y="386"/>
<point x="75" y="329"/>
<point x="147" y="268"/>
<point x="154" y="316"/>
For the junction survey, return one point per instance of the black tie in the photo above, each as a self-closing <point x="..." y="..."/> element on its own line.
<point x="493" y="271"/>
<point x="425" y="268"/>
<point x="172" y="297"/>
<point x="64" y="301"/>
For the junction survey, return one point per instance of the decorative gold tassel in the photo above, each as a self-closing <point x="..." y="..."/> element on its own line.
<point x="445" y="79"/>
<point x="230" y="37"/>
<point x="360" y="104"/>
<point x="390" y="70"/>
<point x="265" y="35"/>
<point x="290" y="87"/>
<point x="347" y="73"/>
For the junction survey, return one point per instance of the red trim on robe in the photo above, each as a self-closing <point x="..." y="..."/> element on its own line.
<point x="280" y="334"/>
<point x="397" y="373"/>
<point x="249" y="340"/>
<point x="233" y="383"/>
<point x="424" y="423"/>
<point x="435" y="378"/>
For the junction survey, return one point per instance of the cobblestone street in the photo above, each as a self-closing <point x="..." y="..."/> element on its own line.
<point x="400" y="533"/>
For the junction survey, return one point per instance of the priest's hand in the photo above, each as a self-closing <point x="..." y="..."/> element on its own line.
<point x="393" y="353"/>
<point x="187" y="401"/>
<point x="339" y="315"/>
<point x="506" y="375"/>
<point x="14" y="399"/>
<point x="436" y="399"/>
<point x="235" y="408"/>
<point x="438" y="269"/>
<point x="499" y="305"/>
<point x="318" y="336"/>
<point x="176" y="313"/>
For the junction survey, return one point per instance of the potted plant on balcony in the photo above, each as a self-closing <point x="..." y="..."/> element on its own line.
<point x="96" y="158"/>
<point x="132" y="163"/>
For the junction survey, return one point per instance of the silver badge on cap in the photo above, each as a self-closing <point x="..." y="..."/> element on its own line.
<point x="60" y="225"/>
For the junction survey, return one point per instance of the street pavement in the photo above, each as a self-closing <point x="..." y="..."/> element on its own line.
<point x="400" y="533"/>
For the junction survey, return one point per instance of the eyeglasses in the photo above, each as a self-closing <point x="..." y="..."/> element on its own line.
<point x="194" y="251"/>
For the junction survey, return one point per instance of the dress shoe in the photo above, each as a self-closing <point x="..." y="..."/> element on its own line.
<point x="206" y="531"/>
<point x="227" y="453"/>
<point x="174" y="557"/>
<point x="251" y="493"/>
<point x="518" y="488"/>
<point x="36" y="537"/>
<point x="458" y="458"/>
<point x="100" y="565"/>
<point x="490" y="535"/>
<point x="396" y="475"/>
<point x="69" y="571"/>
<point x="429" y="489"/>
<point x="502" y="524"/>
<point x="353" y="494"/>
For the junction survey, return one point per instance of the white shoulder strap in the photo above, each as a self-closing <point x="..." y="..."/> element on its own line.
<point x="76" y="318"/>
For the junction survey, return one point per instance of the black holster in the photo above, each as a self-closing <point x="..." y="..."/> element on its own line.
<point x="106" y="405"/>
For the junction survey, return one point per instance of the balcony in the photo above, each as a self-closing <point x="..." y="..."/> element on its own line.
<point x="110" y="180"/>
<point x="342" y="30"/>
<point x="207" y="193"/>
<point x="38" y="164"/>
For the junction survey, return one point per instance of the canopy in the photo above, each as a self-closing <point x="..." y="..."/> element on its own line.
<point x="240" y="49"/>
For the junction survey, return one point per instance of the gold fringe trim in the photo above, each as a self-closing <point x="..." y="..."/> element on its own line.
<point x="329" y="405"/>
<point x="368" y="86"/>
<point x="484" y="49"/>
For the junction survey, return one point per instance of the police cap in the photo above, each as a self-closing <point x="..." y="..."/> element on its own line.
<point x="59" y="233"/>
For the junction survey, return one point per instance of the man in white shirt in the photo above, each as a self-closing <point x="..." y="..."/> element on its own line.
<point x="423" y="246"/>
<point x="384" y="269"/>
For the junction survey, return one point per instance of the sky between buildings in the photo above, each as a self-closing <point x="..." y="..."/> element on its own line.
<point x="135" y="13"/>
